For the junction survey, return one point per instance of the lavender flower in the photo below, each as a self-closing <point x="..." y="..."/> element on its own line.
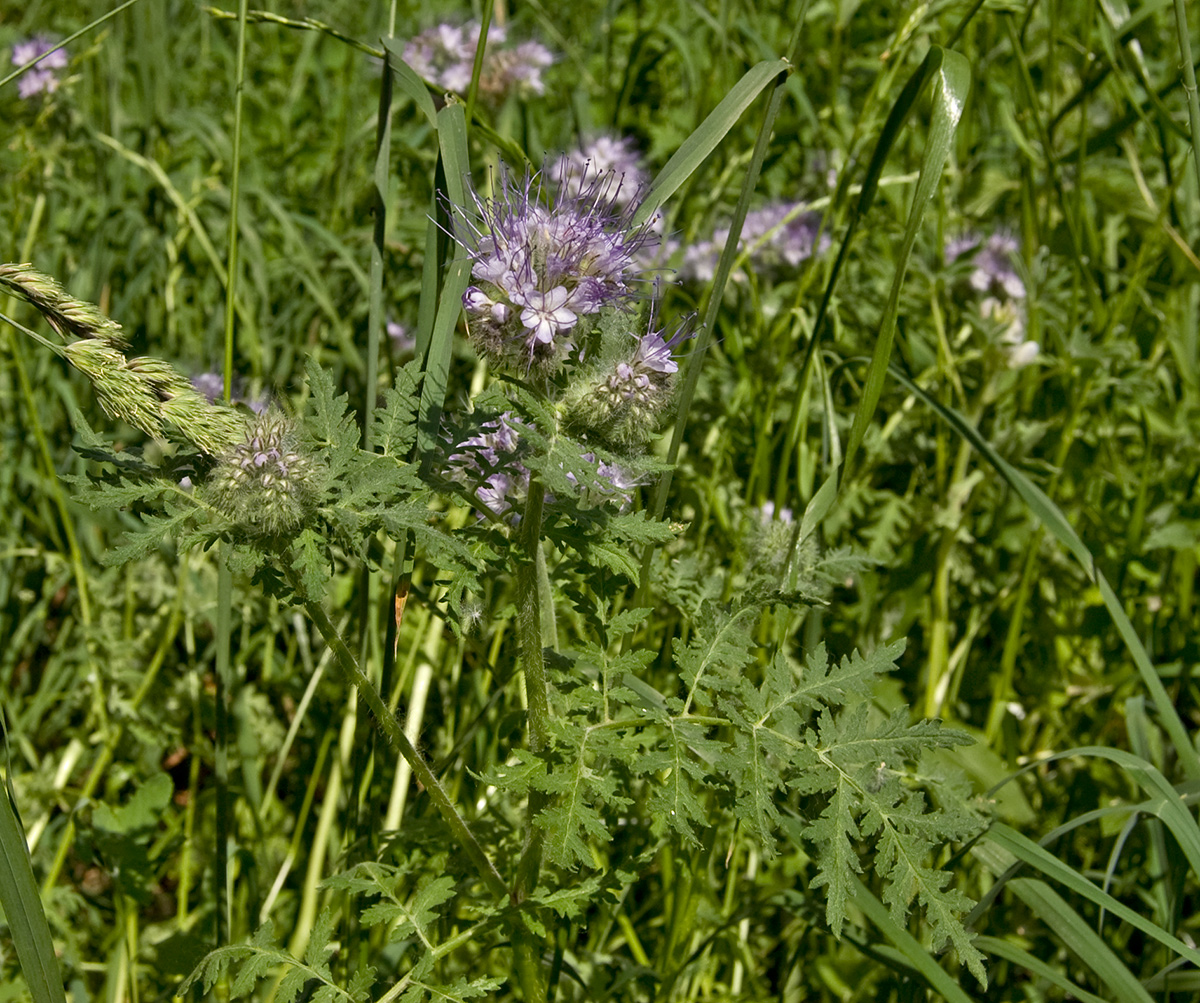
<point x="445" y="56"/>
<point x="544" y="273"/>
<point x="779" y="236"/>
<point x="43" y="78"/>
<point x="994" y="274"/>
<point x="993" y="270"/>
<point x="605" y="165"/>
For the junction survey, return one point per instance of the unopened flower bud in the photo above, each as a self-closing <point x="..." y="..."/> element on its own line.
<point x="266" y="482"/>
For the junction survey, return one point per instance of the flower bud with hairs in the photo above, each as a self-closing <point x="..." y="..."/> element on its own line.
<point x="267" y="483"/>
<point x="621" y="399"/>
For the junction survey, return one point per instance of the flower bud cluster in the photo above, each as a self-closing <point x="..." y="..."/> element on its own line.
<point x="619" y="401"/>
<point x="994" y="276"/>
<point x="543" y="274"/>
<point x="267" y="482"/>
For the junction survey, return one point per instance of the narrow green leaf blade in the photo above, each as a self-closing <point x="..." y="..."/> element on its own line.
<point x="1080" y="938"/>
<point x="23" y="908"/>
<point x="1018" y="956"/>
<point x="693" y="151"/>
<point x="408" y="81"/>
<point x="951" y="83"/>
<point x="452" y="140"/>
<point x="1052" y="517"/>
<point x="1027" y="850"/>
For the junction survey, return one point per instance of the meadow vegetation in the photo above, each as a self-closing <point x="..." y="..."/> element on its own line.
<point x="599" y="501"/>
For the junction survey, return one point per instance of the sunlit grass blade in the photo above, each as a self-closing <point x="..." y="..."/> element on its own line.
<point x="1049" y="906"/>
<point x="693" y="151"/>
<point x="1052" y="517"/>
<point x="1043" y="860"/>
<point x="23" y="910"/>
<point x="951" y="77"/>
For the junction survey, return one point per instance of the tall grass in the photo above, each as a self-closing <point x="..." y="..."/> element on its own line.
<point x="330" y="767"/>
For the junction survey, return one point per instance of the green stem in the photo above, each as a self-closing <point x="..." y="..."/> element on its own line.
<point x="223" y="680"/>
<point x="527" y="946"/>
<point x="395" y="735"/>
<point x="1189" y="82"/>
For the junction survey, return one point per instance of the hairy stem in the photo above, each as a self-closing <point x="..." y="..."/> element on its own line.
<point x="527" y="945"/>
<point x="395" y="735"/>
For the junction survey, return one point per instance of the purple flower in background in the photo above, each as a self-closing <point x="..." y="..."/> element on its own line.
<point x="993" y="270"/>
<point x="445" y="56"/>
<point x="43" y="78"/>
<point x="540" y="271"/>
<point x="994" y="275"/>
<point x="515" y="71"/>
<point x="212" y="386"/>
<point x="402" y="340"/>
<point x="779" y="236"/>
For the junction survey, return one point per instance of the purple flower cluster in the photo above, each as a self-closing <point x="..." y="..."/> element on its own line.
<point x="994" y="274"/>
<point x="43" y="78"/>
<point x="445" y="56"/>
<point x="780" y="236"/>
<point x="993" y="271"/>
<point x="610" y="167"/>
<point x="543" y="273"/>
<point x="489" y="462"/>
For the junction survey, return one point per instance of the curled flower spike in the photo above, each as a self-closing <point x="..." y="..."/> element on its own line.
<point x="267" y="482"/>
<point x="544" y="273"/>
<point x="620" y="402"/>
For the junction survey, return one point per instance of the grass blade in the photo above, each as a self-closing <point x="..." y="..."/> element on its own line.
<point x="452" y="141"/>
<point x="951" y="75"/>
<point x="1080" y="938"/>
<point x="1027" y="850"/>
<point x="1018" y="956"/>
<point x="693" y="151"/>
<point x="23" y="909"/>
<point x="1051" y="516"/>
